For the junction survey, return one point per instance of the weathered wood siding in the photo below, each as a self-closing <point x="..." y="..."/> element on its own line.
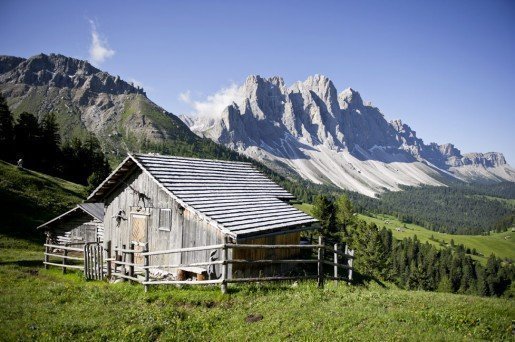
<point x="186" y="230"/>
<point x="78" y="228"/>
<point x="240" y="270"/>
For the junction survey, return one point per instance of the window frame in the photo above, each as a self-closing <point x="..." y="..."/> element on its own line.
<point x="161" y="227"/>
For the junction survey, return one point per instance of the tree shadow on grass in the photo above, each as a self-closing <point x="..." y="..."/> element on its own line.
<point x="23" y="263"/>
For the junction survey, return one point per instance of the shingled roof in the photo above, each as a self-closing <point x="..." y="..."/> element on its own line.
<point x="232" y="196"/>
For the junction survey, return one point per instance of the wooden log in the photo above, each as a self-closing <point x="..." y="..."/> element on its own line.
<point x="62" y="256"/>
<point x="78" y="267"/>
<point x="257" y="279"/>
<point x="125" y="276"/>
<point x="225" y="265"/>
<point x="72" y="249"/>
<point x="320" y="257"/>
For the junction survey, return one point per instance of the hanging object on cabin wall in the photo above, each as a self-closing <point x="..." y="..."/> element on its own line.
<point x="141" y="196"/>
<point x="119" y="217"/>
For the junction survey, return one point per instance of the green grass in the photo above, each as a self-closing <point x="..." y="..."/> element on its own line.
<point x="29" y="198"/>
<point x="39" y="304"/>
<point x="494" y="243"/>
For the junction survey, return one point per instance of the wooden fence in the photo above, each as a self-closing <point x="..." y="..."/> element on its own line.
<point x="123" y="265"/>
<point x="87" y="257"/>
<point x="67" y="253"/>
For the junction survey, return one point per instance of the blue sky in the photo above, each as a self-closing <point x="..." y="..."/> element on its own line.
<point x="447" y="68"/>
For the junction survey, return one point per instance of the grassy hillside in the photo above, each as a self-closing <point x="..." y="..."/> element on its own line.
<point x="501" y="244"/>
<point x="29" y="198"/>
<point x="66" y="307"/>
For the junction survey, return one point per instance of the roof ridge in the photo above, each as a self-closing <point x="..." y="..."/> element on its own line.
<point x="189" y="158"/>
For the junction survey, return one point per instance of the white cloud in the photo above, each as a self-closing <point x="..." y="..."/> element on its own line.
<point x="213" y="105"/>
<point x="99" y="50"/>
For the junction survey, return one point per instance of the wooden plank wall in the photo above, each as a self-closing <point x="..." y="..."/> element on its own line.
<point x="78" y="228"/>
<point x="187" y="230"/>
<point x="240" y="270"/>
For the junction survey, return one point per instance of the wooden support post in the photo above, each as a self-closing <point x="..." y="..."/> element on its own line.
<point x="124" y="259"/>
<point x="350" y="263"/>
<point x="47" y="250"/>
<point x="320" y="282"/>
<point x="115" y="258"/>
<point x="335" y="263"/>
<point x="131" y="258"/>
<point x="86" y="261"/>
<point x="147" y="263"/>
<point x="65" y="254"/>
<point x="225" y="265"/>
<point x="109" y="262"/>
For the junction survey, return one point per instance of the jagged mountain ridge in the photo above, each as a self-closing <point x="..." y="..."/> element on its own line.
<point x="86" y="99"/>
<point x="330" y="137"/>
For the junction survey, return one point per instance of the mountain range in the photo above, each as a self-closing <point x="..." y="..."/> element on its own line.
<point x="86" y="99"/>
<point x="308" y="129"/>
<point x="328" y="137"/>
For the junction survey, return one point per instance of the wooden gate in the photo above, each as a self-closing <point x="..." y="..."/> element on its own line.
<point x="93" y="261"/>
<point x="139" y="235"/>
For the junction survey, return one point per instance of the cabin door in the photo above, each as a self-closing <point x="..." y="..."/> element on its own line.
<point x="139" y="234"/>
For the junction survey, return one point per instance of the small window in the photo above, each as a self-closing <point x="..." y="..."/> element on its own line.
<point x="165" y="219"/>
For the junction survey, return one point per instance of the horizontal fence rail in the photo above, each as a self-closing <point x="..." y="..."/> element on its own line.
<point x="61" y="252"/>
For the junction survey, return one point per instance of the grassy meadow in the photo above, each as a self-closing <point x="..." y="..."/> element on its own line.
<point x="39" y="304"/>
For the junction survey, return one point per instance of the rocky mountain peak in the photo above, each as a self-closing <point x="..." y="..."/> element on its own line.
<point x="350" y="98"/>
<point x="62" y="72"/>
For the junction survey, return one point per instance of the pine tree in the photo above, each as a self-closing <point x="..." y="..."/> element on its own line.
<point x="6" y="132"/>
<point x="323" y="210"/>
<point x="27" y="135"/>
<point x="50" y="144"/>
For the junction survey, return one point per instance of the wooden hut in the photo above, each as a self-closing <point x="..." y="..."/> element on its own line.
<point x="174" y="202"/>
<point x="82" y="224"/>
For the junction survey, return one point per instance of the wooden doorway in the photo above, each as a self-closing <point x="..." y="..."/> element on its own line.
<point x="139" y="234"/>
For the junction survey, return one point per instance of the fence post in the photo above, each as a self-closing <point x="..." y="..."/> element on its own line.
<point x="65" y="254"/>
<point x="146" y="263"/>
<point x="124" y="259"/>
<point x="108" y="257"/>
<point x="131" y="258"/>
<point x="225" y="265"/>
<point x="335" y="262"/>
<point x="115" y="265"/>
<point x="320" y="282"/>
<point x="350" y="263"/>
<point x="47" y="250"/>
<point x="86" y="261"/>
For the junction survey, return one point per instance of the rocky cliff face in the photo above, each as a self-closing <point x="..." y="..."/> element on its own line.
<point x="326" y="136"/>
<point x="86" y="99"/>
